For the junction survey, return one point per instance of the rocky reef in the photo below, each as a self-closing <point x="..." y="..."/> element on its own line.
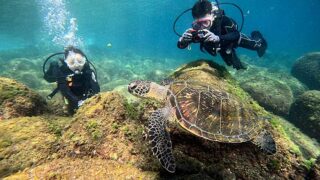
<point x="106" y="138"/>
<point x="273" y="90"/>
<point x="28" y="141"/>
<point x="307" y="70"/>
<point x="315" y="170"/>
<point x="17" y="100"/>
<point x="305" y="113"/>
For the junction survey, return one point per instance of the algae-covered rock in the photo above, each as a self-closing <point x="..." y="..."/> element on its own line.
<point x="273" y="90"/>
<point x="305" y="113"/>
<point x="283" y="77"/>
<point x="17" y="100"/>
<point x="87" y="168"/>
<point x="307" y="70"/>
<point x="107" y="127"/>
<point x="27" y="141"/>
<point x="315" y="170"/>
<point x="270" y="94"/>
<point x="98" y="128"/>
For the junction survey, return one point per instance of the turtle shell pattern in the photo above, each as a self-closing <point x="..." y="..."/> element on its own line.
<point x="212" y="114"/>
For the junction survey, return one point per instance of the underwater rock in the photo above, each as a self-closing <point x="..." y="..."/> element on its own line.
<point x="87" y="168"/>
<point x="315" y="170"/>
<point x="307" y="70"/>
<point x="270" y="94"/>
<point x="252" y="71"/>
<point x="17" y="100"/>
<point x="305" y="113"/>
<point x="27" y="141"/>
<point x="272" y="89"/>
<point x="106" y="139"/>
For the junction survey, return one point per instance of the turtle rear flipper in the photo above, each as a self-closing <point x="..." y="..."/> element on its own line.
<point x="265" y="141"/>
<point x="160" y="140"/>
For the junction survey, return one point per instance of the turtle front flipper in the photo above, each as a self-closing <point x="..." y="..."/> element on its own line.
<point x="159" y="139"/>
<point x="265" y="141"/>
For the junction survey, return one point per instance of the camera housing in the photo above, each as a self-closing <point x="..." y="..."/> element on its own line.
<point x="197" y="36"/>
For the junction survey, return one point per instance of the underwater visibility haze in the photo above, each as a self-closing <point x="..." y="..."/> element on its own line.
<point x="261" y="122"/>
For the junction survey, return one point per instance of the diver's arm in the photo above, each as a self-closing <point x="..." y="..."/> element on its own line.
<point x="66" y="92"/>
<point x="55" y="74"/>
<point x="52" y="73"/>
<point x="94" y="85"/>
<point x="185" y="39"/>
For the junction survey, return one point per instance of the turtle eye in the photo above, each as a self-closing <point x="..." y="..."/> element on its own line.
<point x="132" y="86"/>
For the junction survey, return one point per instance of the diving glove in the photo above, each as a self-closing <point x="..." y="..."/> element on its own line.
<point x="210" y="36"/>
<point x="186" y="36"/>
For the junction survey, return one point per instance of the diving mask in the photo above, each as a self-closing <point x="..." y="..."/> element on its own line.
<point x="206" y="21"/>
<point x="202" y="23"/>
<point x="75" y="62"/>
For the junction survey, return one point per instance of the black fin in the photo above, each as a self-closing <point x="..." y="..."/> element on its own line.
<point x="257" y="36"/>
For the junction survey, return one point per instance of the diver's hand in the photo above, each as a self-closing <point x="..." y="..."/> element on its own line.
<point x="210" y="37"/>
<point x="80" y="103"/>
<point x="186" y="36"/>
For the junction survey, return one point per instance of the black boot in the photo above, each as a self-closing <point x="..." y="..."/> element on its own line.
<point x="257" y="36"/>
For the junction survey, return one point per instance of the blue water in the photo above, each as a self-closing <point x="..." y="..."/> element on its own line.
<point x="145" y="27"/>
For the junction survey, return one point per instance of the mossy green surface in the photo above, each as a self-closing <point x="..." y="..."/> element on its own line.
<point x="26" y="142"/>
<point x="9" y="89"/>
<point x="85" y="168"/>
<point x="18" y="100"/>
<point x="307" y="70"/>
<point x="305" y="113"/>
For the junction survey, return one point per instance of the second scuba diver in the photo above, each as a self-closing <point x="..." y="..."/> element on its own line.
<point x="75" y="79"/>
<point x="218" y="33"/>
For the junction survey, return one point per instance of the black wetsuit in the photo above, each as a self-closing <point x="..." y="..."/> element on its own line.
<point x="74" y="87"/>
<point x="230" y="38"/>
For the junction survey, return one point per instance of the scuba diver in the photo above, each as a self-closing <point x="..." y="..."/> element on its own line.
<point x="75" y="79"/>
<point x="218" y="33"/>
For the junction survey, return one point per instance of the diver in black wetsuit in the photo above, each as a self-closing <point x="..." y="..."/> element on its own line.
<point x="218" y="33"/>
<point x="76" y="80"/>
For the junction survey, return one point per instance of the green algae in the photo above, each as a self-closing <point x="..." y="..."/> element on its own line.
<point x="132" y="111"/>
<point x="93" y="128"/>
<point x="309" y="163"/>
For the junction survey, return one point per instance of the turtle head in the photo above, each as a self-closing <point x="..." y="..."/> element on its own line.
<point x="147" y="89"/>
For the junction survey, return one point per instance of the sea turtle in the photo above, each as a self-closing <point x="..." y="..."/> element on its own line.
<point x="202" y="110"/>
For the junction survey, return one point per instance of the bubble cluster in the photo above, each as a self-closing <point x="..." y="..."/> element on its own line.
<point x="55" y="20"/>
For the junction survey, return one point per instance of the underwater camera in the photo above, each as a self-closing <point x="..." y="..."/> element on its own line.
<point x="197" y="36"/>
